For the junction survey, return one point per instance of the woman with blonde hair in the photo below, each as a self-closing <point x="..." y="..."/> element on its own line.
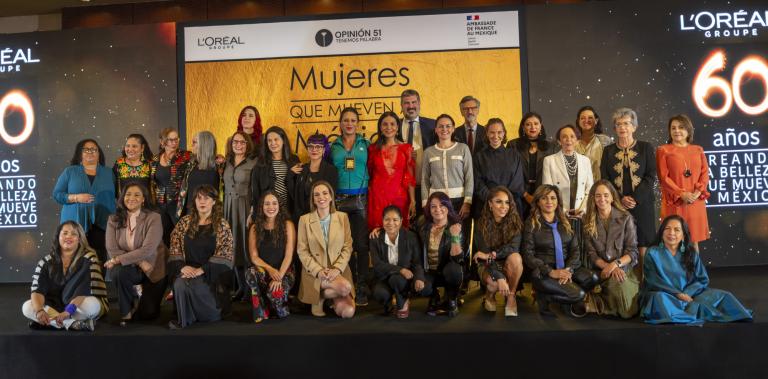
<point x="610" y="240"/>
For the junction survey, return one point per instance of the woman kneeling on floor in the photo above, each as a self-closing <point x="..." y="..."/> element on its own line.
<point x="551" y="252"/>
<point x="271" y="240"/>
<point x="201" y="260"/>
<point x="498" y="257"/>
<point x="397" y="266"/>
<point x="68" y="289"/>
<point x="324" y="247"/>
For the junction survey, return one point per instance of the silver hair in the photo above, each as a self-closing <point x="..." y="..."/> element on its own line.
<point x="206" y="150"/>
<point x="624" y="112"/>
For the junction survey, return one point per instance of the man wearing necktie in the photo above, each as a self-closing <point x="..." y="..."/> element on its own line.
<point x="417" y="131"/>
<point x="473" y="135"/>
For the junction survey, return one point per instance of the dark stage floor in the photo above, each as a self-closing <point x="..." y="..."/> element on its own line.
<point x="371" y="345"/>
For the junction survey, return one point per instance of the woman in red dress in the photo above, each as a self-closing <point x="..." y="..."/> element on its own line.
<point x="391" y="168"/>
<point x="683" y="175"/>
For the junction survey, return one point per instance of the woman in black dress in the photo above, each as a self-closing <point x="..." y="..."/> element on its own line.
<point x="533" y="146"/>
<point x="630" y="166"/>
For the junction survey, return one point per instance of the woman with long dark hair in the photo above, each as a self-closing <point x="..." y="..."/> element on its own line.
<point x="137" y="255"/>
<point x="271" y="241"/>
<point x="391" y="167"/>
<point x="86" y="191"/>
<point x="551" y="253"/>
<point x="497" y="238"/>
<point x="441" y="237"/>
<point x="676" y="288"/>
<point x="133" y="166"/>
<point x="533" y="146"/>
<point x="68" y="289"/>
<point x="271" y="173"/>
<point x="200" y="261"/>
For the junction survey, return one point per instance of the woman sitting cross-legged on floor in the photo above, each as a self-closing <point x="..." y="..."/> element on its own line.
<point x="271" y="241"/>
<point x="68" y="289"/>
<point x="396" y="254"/>
<point x="676" y="286"/>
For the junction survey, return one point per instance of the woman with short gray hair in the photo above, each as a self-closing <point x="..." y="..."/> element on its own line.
<point x="630" y="166"/>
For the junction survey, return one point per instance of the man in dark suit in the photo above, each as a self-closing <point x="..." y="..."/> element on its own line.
<point x="471" y="133"/>
<point x="417" y="131"/>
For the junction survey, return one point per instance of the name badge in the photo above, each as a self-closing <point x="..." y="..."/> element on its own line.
<point x="349" y="163"/>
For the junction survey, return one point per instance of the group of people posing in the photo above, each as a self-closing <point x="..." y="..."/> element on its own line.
<point x="426" y="205"/>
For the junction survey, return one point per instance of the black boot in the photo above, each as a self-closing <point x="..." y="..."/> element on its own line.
<point x="543" y="301"/>
<point x="433" y="307"/>
<point x="453" y="307"/>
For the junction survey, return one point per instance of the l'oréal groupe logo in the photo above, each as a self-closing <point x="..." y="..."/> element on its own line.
<point x="740" y="23"/>
<point x="12" y="60"/>
<point x="220" y="43"/>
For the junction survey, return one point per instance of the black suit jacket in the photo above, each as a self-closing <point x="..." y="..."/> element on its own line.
<point x="460" y="135"/>
<point x="427" y="126"/>
<point x="408" y="255"/>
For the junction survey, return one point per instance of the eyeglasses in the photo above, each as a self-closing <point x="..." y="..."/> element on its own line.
<point x="238" y="142"/>
<point x="469" y="108"/>
<point x="172" y="139"/>
<point x="90" y="150"/>
<point x="315" y="147"/>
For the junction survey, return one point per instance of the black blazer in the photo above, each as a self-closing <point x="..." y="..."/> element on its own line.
<point x="408" y="255"/>
<point x="263" y="179"/>
<point x="539" y="248"/>
<point x="444" y="250"/>
<point x="427" y="126"/>
<point x="520" y="145"/>
<point x="300" y="186"/>
<point x="460" y="135"/>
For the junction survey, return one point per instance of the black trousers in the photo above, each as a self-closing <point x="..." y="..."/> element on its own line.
<point x="583" y="281"/>
<point x="466" y="236"/>
<point x="96" y="237"/>
<point x="168" y="217"/>
<point x="395" y="284"/>
<point x="360" y="261"/>
<point x="125" y="277"/>
<point x="450" y="277"/>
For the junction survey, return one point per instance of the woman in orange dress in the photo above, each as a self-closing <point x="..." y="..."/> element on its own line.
<point x="683" y="175"/>
<point x="391" y="168"/>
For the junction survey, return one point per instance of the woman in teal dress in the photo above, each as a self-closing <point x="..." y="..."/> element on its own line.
<point x="676" y="282"/>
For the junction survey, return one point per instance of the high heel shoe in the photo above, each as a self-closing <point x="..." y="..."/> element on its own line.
<point x="317" y="309"/>
<point x="489" y="304"/>
<point x="403" y="312"/>
<point x="510" y="309"/>
<point x="543" y="301"/>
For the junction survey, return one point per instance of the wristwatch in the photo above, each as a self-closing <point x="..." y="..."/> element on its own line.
<point x="618" y="262"/>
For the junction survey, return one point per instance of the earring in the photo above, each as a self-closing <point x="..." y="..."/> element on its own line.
<point x="682" y="248"/>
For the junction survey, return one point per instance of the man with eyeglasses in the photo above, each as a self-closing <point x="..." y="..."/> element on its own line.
<point x="471" y="133"/>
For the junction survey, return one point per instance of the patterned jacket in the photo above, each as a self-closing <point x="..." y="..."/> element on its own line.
<point x="178" y="167"/>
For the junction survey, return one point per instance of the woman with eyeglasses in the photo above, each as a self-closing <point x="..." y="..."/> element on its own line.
<point x="167" y="170"/>
<point x="86" y="191"/>
<point x="317" y="169"/>
<point x="238" y="166"/>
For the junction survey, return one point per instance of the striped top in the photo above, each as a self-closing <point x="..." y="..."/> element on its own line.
<point x="83" y="278"/>
<point x="281" y="171"/>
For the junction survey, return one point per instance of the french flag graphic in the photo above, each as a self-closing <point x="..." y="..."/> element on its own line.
<point x="473" y="17"/>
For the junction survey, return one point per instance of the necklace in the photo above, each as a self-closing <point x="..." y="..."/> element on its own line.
<point x="571" y="165"/>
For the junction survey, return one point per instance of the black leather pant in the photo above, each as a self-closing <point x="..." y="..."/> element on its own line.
<point x="583" y="281"/>
<point x="449" y="277"/>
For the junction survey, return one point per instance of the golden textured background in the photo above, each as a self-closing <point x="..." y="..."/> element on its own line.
<point x="216" y="91"/>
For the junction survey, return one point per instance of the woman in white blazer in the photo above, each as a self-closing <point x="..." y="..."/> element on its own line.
<point x="570" y="171"/>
